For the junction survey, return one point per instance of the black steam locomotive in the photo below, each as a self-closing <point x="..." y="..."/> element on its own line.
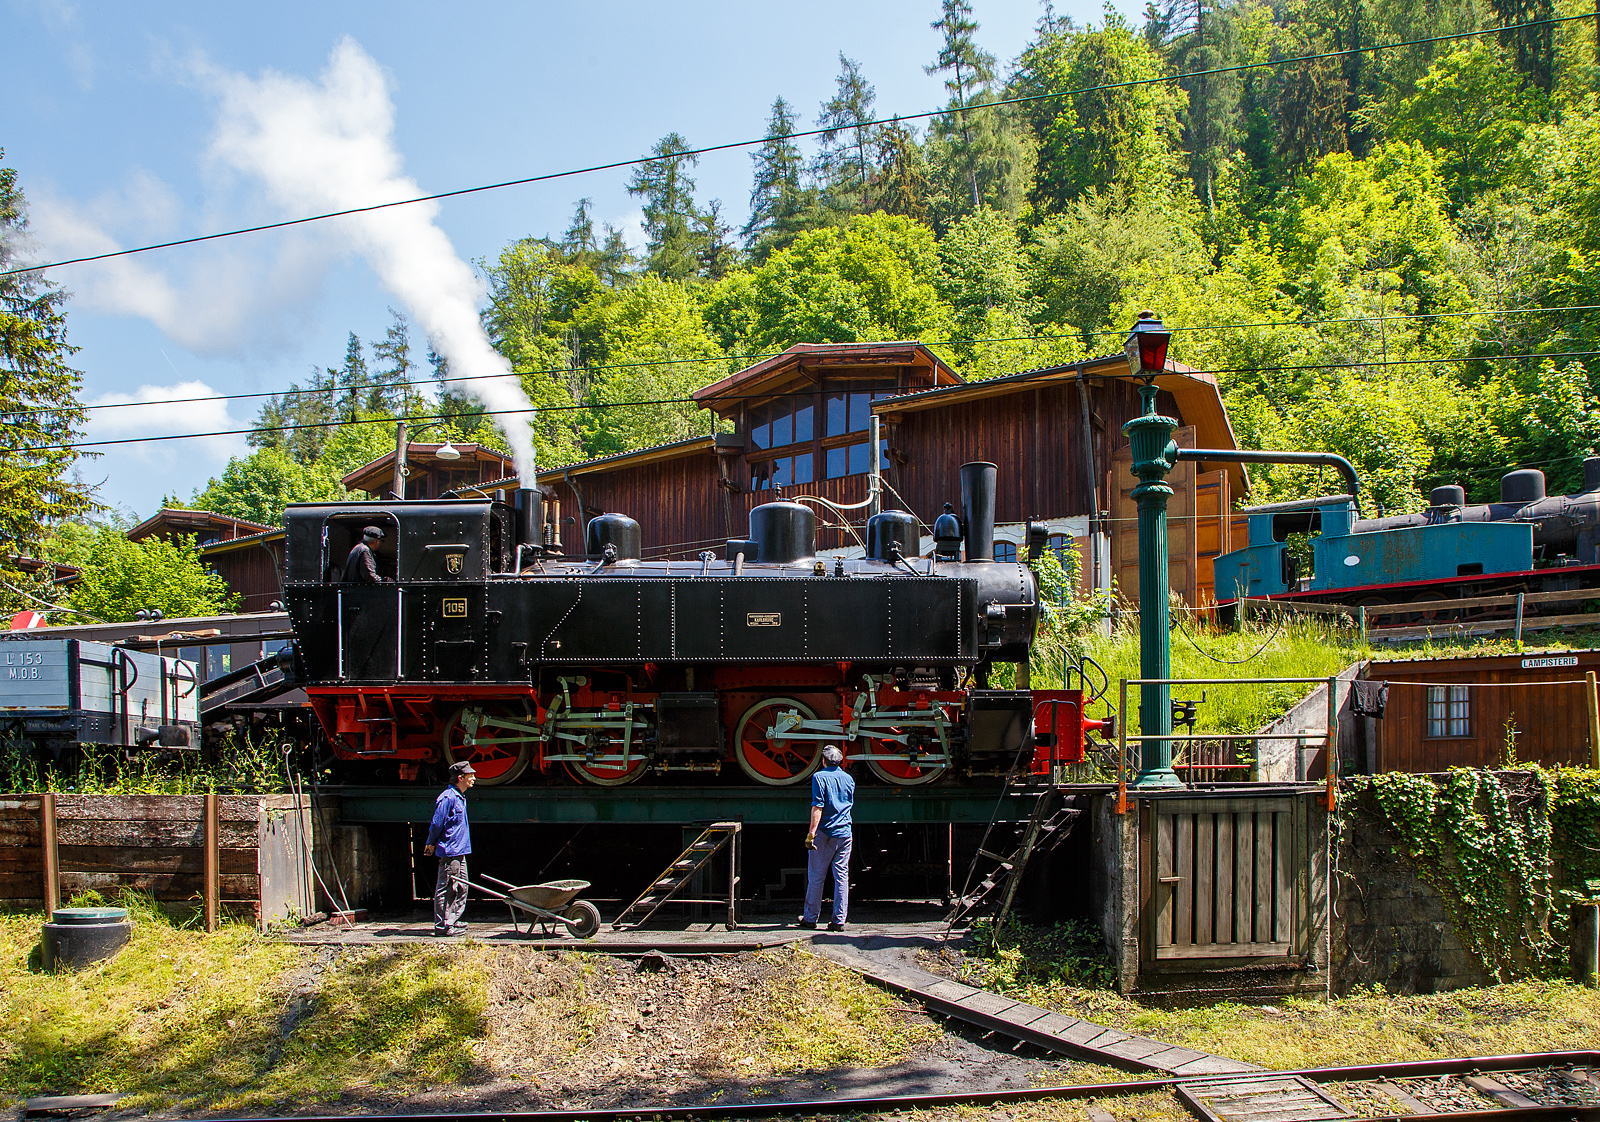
<point x="483" y="641"/>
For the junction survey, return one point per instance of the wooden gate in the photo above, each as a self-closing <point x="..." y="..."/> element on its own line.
<point x="1224" y="877"/>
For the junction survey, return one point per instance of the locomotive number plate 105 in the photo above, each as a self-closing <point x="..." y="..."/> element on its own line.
<point x="764" y="619"/>
<point x="455" y="609"/>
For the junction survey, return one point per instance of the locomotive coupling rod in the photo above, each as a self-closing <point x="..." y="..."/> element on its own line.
<point x="1263" y="456"/>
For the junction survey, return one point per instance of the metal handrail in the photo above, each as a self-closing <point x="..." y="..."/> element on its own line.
<point x="1330" y="733"/>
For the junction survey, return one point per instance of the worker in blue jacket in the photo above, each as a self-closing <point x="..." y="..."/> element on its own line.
<point x="833" y="794"/>
<point x="450" y="838"/>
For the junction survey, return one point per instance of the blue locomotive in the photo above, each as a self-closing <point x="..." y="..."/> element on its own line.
<point x="1527" y="541"/>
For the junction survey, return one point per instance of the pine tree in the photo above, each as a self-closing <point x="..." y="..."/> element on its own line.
<point x="38" y="396"/>
<point x="779" y="202"/>
<point x="1203" y="37"/>
<point x="352" y="376"/>
<point x="978" y="155"/>
<point x="843" y="165"/>
<point x="390" y="390"/>
<point x="715" y="254"/>
<point x="669" y="211"/>
<point x="903" y="183"/>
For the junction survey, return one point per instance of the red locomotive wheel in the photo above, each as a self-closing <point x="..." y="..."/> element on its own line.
<point x="498" y="754"/>
<point x="901" y="773"/>
<point x="772" y="760"/>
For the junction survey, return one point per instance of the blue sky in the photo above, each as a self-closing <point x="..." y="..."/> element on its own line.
<point x="112" y="120"/>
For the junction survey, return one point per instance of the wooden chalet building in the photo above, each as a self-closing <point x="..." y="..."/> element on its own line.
<point x="1483" y="711"/>
<point x="800" y="424"/>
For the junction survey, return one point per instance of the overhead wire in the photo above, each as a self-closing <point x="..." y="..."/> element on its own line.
<point x="732" y="145"/>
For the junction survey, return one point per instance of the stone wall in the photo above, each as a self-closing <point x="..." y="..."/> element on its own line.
<point x="1390" y="927"/>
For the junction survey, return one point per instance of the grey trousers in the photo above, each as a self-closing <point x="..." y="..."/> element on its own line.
<point x="450" y="893"/>
<point x="831" y="855"/>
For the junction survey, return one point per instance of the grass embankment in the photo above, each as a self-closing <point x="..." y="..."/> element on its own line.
<point x="234" y="1022"/>
<point x="1062" y="968"/>
<point x="1294" y="648"/>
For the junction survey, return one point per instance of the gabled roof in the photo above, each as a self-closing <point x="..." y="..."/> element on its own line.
<point x="724" y="396"/>
<point x="377" y="474"/>
<point x="1199" y="400"/>
<point x="180" y="520"/>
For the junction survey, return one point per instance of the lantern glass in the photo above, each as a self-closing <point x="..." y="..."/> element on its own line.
<point x="1147" y="344"/>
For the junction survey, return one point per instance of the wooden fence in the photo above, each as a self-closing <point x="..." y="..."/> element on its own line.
<point x="1366" y="616"/>
<point x="248" y="855"/>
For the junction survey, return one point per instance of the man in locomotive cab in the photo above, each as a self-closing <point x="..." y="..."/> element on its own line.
<point x="833" y="794"/>
<point x="361" y="567"/>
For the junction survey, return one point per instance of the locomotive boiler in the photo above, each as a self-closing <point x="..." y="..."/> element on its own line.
<point x="1527" y="541"/>
<point x="484" y="641"/>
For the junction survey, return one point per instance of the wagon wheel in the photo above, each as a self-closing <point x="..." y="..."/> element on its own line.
<point x="774" y="761"/>
<point x="584" y="917"/>
<point x="900" y="773"/>
<point x="500" y="760"/>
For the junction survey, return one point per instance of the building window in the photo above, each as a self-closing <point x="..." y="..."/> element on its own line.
<point x="801" y="450"/>
<point x="1005" y="551"/>
<point x="1449" y="712"/>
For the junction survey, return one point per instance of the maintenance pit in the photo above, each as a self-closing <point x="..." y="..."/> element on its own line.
<point x="913" y="850"/>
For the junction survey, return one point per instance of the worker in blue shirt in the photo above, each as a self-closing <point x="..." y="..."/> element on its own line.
<point x="833" y="793"/>
<point x="450" y="838"/>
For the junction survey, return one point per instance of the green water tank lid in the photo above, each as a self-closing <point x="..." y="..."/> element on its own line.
<point x="83" y="916"/>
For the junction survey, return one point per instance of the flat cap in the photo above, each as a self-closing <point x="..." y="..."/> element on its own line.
<point x="461" y="767"/>
<point x="372" y="532"/>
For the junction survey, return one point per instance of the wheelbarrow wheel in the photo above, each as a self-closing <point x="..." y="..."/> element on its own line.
<point x="583" y="917"/>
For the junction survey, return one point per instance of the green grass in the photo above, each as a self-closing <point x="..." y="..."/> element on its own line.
<point x="1059" y="968"/>
<point x="813" y="1015"/>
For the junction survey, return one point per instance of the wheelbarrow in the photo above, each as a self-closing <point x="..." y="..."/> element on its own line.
<point x="547" y="904"/>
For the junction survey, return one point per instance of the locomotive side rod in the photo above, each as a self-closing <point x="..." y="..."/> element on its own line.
<point x="889" y="1103"/>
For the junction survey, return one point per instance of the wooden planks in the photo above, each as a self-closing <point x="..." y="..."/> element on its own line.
<point x="1225" y="878"/>
<point x="154" y="844"/>
<point x="1551" y="721"/>
<point x="1055" y="1031"/>
<point x="1265" y="1099"/>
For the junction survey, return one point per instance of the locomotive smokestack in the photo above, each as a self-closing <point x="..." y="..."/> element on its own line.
<point x="526" y="518"/>
<point x="977" y="510"/>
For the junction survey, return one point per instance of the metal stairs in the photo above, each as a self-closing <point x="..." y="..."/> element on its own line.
<point x="713" y="840"/>
<point x="1053" y="816"/>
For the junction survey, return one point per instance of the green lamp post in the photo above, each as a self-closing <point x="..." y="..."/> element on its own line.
<point x="1154" y="453"/>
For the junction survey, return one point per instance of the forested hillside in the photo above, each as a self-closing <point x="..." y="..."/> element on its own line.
<point x="1391" y="254"/>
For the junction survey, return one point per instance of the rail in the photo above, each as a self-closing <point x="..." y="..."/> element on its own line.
<point x="1328" y="734"/>
<point x="883" y="1104"/>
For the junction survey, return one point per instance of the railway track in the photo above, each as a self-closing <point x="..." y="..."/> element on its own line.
<point x="1533" y="1087"/>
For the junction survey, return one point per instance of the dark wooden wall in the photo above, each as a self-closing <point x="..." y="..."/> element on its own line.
<point x="677" y="503"/>
<point x="1034" y="437"/>
<point x="1032" y="434"/>
<point x="253" y="571"/>
<point x="1552" y="721"/>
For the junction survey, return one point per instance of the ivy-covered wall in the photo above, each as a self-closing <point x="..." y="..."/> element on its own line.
<point x="1462" y="878"/>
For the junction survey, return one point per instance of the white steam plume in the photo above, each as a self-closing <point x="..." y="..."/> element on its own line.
<point x="329" y="146"/>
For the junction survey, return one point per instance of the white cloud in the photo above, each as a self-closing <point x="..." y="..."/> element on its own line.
<point x="632" y="227"/>
<point x="162" y="411"/>
<point x="228" y="298"/>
